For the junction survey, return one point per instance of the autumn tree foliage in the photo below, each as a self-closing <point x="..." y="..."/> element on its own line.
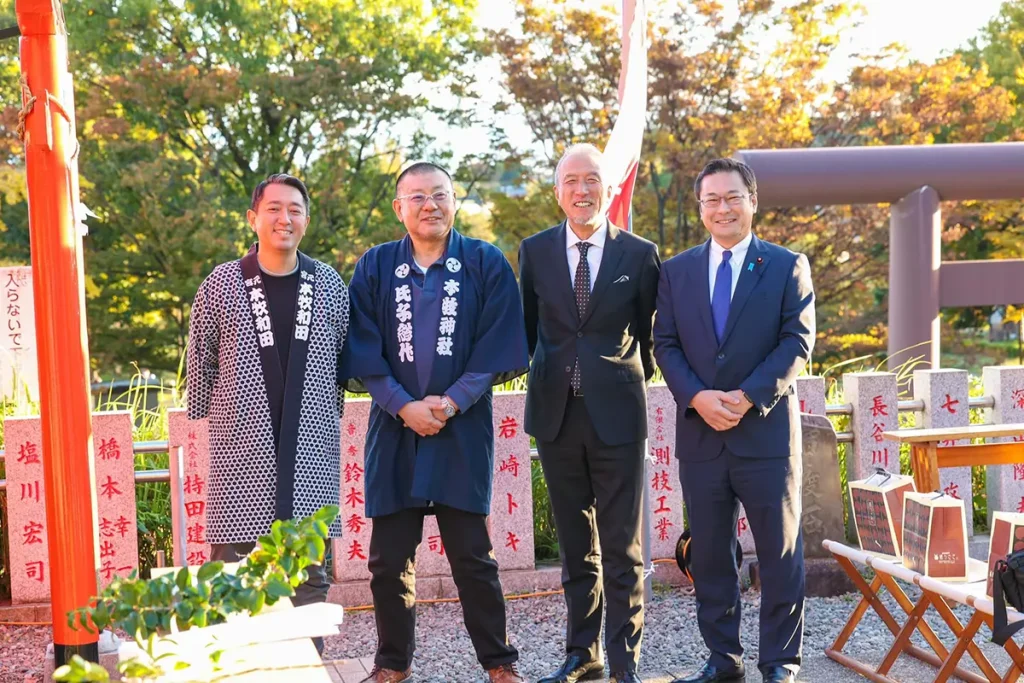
<point x="183" y="106"/>
<point x="755" y="82"/>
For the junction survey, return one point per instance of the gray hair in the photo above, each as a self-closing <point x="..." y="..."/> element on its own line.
<point x="579" y="148"/>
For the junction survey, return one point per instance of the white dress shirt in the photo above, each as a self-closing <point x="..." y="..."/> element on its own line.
<point x="593" y="253"/>
<point x="739" y="255"/>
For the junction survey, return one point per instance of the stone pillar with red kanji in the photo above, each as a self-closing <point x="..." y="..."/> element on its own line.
<point x="188" y="516"/>
<point x="873" y="396"/>
<point x="431" y="558"/>
<point x="945" y="396"/>
<point x="665" y="494"/>
<point x="810" y="392"/>
<point x="352" y="550"/>
<point x="114" y="452"/>
<point x="26" y="510"/>
<point x="1005" y="483"/>
<point x="511" y="518"/>
<point x="744" y="534"/>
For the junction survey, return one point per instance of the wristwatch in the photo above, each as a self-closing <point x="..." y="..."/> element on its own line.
<point x="449" y="409"/>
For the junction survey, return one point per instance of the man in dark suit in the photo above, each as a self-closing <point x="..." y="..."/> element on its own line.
<point x="589" y="291"/>
<point x="735" y="327"/>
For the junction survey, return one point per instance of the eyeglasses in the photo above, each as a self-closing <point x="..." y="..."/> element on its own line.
<point x="731" y="200"/>
<point x="421" y="199"/>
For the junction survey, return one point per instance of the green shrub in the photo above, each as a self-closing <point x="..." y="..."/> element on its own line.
<point x="545" y="540"/>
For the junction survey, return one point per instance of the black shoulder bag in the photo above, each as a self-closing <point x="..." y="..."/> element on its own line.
<point x="1007" y="585"/>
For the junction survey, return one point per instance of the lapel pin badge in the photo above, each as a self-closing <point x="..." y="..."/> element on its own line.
<point x="760" y="260"/>
<point x="751" y="267"/>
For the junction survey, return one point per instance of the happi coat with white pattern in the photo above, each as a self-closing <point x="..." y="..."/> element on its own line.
<point x="273" y="454"/>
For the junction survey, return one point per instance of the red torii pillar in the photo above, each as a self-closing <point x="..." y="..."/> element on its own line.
<point x="62" y="345"/>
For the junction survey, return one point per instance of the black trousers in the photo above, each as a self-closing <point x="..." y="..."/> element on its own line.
<point x="596" y="495"/>
<point x="467" y="544"/>
<point x="313" y="590"/>
<point x="770" y="490"/>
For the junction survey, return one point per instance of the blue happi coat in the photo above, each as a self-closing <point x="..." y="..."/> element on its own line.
<point x="481" y="330"/>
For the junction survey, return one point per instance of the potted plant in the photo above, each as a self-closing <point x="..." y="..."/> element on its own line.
<point x="148" y="608"/>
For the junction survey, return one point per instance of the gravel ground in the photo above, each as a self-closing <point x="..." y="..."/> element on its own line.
<point x="672" y="644"/>
<point x="22" y="649"/>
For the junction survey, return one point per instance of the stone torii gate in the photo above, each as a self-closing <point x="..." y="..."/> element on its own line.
<point x="913" y="179"/>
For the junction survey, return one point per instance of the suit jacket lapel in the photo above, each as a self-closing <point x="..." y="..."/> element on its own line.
<point x="753" y="268"/>
<point x="703" y="289"/>
<point x="560" y="268"/>
<point x="610" y="257"/>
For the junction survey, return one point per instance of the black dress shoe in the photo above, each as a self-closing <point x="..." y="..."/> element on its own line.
<point x="624" y="677"/>
<point x="777" y="674"/>
<point x="575" y="669"/>
<point x="712" y="674"/>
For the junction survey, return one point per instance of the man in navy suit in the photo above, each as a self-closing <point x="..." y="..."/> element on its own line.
<point x="734" y="328"/>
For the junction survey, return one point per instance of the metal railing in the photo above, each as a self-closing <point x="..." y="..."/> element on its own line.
<point x="911" y="406"/>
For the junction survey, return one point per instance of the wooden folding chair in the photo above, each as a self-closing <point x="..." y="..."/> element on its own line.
<point x="935" y="594"/>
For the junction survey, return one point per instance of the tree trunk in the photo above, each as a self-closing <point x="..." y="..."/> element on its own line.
<point x="662" y="198"/>
<point x="662" y="201"/>
<point x="680" y="215"/>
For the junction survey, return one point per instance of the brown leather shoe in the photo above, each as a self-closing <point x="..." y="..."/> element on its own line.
<point x="506" y="673"/>
<point x="379" y="675"/>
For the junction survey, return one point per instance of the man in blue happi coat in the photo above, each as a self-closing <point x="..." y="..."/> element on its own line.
<point x="436" y="321"/>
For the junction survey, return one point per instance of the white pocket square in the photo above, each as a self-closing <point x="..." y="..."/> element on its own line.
<point x="622" y="278"/>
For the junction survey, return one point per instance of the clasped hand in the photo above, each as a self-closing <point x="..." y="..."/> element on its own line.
<point x="722" y="410"/>
<point x="425" y="417"/>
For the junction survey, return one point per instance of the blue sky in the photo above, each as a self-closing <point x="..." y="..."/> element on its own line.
<point x="928" y="28"/>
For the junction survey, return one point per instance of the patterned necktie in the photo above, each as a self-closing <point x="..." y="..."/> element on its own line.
<point x="581" y="286"/>
<point x="722" y="296"/>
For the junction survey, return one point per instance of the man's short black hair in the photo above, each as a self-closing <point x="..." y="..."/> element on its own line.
<point x="279" y="179"/>
<point x="419" y="168"/>
<point x="725" y="166"/>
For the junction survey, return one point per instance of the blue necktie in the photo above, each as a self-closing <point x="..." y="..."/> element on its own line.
<point x="722" y="296"/>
